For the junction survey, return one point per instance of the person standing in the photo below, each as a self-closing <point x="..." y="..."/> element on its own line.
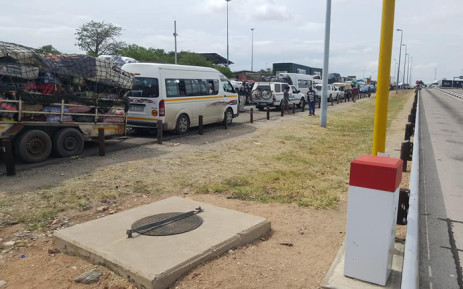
<point x="311" y="98"/>
<point x="286" y="99"/>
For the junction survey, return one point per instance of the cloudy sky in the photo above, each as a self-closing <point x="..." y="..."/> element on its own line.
<point x="285" y="30"/>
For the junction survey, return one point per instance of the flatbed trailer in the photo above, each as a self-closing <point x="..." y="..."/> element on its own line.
<point x="35" y="134"/>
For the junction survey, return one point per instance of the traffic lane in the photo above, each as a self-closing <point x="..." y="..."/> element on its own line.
<point x="213" y="132"/>
<point x="441" y="229"/>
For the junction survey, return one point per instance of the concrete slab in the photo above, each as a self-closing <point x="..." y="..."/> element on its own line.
<point x="335" y="278"/>
<point x="155" y="262"/>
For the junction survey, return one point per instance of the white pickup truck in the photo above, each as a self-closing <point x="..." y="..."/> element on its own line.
<point x="271" y="94"/>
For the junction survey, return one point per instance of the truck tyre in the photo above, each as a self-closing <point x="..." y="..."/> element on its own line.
<point x="33" y="146"/>
<point x="301" y="103"/>
<point x="68" y="142"/>
<point x="228" y="116"/>
<point x="183" y="124"/>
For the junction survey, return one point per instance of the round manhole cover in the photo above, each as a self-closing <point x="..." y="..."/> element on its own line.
<point x="166" y="227"/>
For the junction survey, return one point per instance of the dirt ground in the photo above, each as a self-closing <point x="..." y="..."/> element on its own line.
<point x="297" y="253"/>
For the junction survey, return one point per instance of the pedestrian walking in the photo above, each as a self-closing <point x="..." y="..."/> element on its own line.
<point x="286" y="99"/>
<point x="312" y="98"/>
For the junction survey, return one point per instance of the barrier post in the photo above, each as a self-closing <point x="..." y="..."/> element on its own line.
<point x="200" y="125"/>
<point x="225" y="119"/>
<point x="372" y="217"/>
<point x="159" y="130"/>
<point x="101" y="142"/>
<point x="294" y="108"/>
<point x="251" y="116"/>
<point x="268" y="112"/>
<point x="7" y="149"/>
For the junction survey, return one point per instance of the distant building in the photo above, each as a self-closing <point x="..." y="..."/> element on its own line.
<point x="245" y="75"/>
<point x="216" y="58"/>
<point x="295" y="68"/>
<point x="450" y="83"/>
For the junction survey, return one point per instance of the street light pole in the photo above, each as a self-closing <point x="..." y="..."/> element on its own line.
<point x="252" y="49"/>
<point x="325" y="65"/>
<point x="405" y="62"/>
<point x="227" y="36"/>
<point x="175" y="37"/>
<point x="410" y="69"/>
<point x="400" y="54"/>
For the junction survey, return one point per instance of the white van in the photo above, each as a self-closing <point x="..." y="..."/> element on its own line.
<point x="302" y="82"/>
<point x="178" y="95"/>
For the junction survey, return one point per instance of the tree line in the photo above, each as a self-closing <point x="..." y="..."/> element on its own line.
<point x="101" y="38"/>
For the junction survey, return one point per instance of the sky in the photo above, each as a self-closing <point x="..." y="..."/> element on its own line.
<point x="284" y="31"/>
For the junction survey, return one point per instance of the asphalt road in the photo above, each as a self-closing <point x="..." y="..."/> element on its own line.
<point x="441" y="190"/>
<point x="132" y="140"/>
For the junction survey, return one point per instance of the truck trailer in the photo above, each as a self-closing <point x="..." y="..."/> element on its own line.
<point x="52" y="104"/>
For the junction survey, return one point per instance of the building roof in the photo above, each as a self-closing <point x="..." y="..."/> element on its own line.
<point x="216" y="58"/>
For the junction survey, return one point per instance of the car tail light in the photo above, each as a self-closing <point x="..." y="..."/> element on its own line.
<point x="162" y="108"/>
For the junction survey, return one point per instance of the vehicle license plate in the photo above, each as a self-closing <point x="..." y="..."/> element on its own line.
<point x="140" y="108"/>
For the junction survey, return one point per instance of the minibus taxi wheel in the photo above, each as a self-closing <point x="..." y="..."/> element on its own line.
<point x="228" y="116"/>
<point x="183" y="124"/>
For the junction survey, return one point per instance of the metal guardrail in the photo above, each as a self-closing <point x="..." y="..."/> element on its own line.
<point x="410" y="271"/>
<point x="453" y="93"/>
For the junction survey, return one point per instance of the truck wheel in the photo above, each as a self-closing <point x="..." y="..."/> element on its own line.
<point x="228" y="116"/>
<point x="68" y="142"/>
<point x="33" y="146"/>
<point x="301" y="103"/>
<point x="183" y="124"/>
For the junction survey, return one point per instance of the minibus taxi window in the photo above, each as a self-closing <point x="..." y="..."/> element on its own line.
<point x="144" y="87"/>
<point x="227" y="87"/>
<point x="213" y="85"/>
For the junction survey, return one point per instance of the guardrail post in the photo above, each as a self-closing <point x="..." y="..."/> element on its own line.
<point x="101" y="142"/>
<point x="159" y="130"/>
<point x="303" y="106"/>
<point x="7" y="149"/>
<point x="282" y="109"/>
<point x="268" y="112"/>
<point x="408" y="131"/>
<point x="200" y="125"/>
<point x="225" y="119"/>
<point x="402" y="209"/>
<point x="251" y="116"/>
<point x="406" y="151"/>
<point x="294" y="108"/>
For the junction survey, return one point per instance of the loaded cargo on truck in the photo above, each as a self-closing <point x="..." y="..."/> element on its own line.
<point x="51" y="104"/>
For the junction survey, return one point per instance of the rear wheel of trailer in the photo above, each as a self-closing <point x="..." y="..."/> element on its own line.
<point x="68" y="142"/>
<point x="33" y="146"/>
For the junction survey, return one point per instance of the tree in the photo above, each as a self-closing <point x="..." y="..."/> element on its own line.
<point x="146" y="54"/>
<point x="97" y="38"/>
<point x="47" y="49"/>
<point x="191" y="58"/>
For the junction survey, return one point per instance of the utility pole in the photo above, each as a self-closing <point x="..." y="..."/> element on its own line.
<point x="405" y="62"/>
<point x="400" y="54"/>
<point x="175" y="37"/>
<point x="228" y="51"/>
<point x="325" y="64"/>
<point x="252" y="49"/>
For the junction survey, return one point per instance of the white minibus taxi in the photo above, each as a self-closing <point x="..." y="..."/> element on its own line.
<point x="178" y="95"/>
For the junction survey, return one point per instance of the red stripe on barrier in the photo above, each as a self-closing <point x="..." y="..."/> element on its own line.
<point x="373" y="172"/>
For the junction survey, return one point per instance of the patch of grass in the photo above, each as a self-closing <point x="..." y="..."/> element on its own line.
<point x="309" y="165"/>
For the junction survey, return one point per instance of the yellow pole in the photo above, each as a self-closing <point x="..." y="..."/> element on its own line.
<point x="384" y="69"/>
